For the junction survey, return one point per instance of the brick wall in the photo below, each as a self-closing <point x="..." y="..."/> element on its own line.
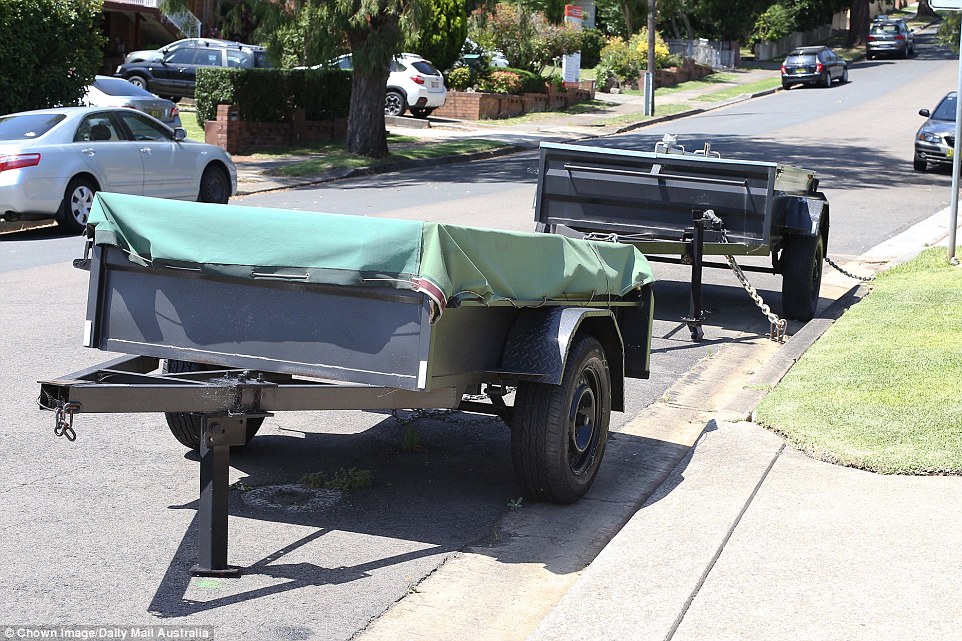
<point x="230" y="132"/>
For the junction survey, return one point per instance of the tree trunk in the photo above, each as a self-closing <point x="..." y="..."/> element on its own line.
<point x="372" y="49"/>
<point x="924" y="9"/>
<point x="366" y="133"/>
<point x="858" y="23"/>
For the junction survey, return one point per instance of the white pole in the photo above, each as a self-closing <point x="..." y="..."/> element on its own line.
<point x="954" y="209"/>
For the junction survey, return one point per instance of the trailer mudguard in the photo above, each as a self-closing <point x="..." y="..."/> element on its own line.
<point x="802" y="215"/>
<point x="537" y="346"/>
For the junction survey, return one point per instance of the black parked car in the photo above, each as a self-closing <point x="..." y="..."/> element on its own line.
<point x="813" y="66"/>
<point x="935" y="139"/>
<point x="175" y="75"/>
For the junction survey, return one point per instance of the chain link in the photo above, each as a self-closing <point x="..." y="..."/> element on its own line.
<point x="864" y="279"/>
<point x="778" y="325"/>
<point x="63" y="420"/>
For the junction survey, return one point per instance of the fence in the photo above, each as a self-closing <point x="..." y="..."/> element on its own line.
<point x="713" y="53"/>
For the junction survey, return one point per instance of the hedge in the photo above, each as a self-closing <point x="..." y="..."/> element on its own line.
<point x="268" y="95"/>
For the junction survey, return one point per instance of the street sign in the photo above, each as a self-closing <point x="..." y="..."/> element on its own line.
<point x="946" y="5"/>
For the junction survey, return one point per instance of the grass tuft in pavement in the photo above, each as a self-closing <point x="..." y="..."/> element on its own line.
<point x="881" y="389"/>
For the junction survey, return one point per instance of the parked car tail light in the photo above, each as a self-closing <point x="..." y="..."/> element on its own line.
<point x="871" y="38"/>
<point x="900" y="37"/>
<point x="174" y="112"/>
<point x="418" y="79"/>
<point x="783" y="70"/>
<point x="819" y="68"/>
<point x="16" y="161"/>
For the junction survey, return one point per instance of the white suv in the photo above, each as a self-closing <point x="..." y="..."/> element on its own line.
<point x="414" y="84"/>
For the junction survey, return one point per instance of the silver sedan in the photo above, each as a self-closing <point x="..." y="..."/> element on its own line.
<point x="107" y="91"/>
<point x="53" y="161"/>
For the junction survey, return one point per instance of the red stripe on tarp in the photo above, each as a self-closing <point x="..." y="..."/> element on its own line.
<point x="432" y="290"/>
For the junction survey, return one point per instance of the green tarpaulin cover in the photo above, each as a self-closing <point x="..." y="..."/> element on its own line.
<point x="443" y="261"/>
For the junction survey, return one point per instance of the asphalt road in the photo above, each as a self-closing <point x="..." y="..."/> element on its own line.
<point x="101" y="531"/>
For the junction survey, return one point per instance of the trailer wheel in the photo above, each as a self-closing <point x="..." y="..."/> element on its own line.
<point x="186" y="426"/>
<point x="559" y="432"/>
<point x="802" y="259"/>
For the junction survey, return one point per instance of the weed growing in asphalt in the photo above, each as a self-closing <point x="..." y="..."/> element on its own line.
<point x="515" y="504"/>
<point x="240" y="486"/>
<point x="342" y="479"/>
<point x="411" y="440"/>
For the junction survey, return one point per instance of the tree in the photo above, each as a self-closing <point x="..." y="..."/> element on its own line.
<point x="527" y="38"/>
<point x="858" y="23"/>
<point x="925" y="9"/>
<point x="52" y="50"/>
<point x="441" y="34"/>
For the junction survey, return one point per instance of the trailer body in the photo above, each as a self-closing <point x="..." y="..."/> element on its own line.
<point x="229" y="314"/>
<point x="673" y="203"/>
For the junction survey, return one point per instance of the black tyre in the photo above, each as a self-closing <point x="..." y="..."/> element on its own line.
<point x="802" y="259"/>
<point x="559" y="432"/>
<point x="786" y="86"/>
<point x="140" y="81"/>
<point x="394" y="103"/>
<point x="919" y="165"/>
<point x="845" y="76"/>
<point x="186" y="426"/>
<point x="421" y="112"/>
<point x="827" y="80"/>
<point x="214" y="186"/>
<point x="78" y="197"/>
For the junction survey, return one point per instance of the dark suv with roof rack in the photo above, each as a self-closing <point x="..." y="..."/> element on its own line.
<point x="175" y="75"/>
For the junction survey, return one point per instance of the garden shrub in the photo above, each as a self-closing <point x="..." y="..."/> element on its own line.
<point x="501" y="82"/>
<point x="460" y="78"/>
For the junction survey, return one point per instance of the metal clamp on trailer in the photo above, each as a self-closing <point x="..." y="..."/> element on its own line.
<point x="230" y="314"/>
<point x="679" y="206"/>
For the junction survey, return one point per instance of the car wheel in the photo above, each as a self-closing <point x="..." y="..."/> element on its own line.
<point x="870" y="56"/>
<point x="845" y="76"/>
<point x="827" y="80"/>
<point x="394" y="103"/>
<point x="214" y="186"/>
<point x="139" y="81"/>
<point x="174" y="99"/>
<point x="75" y="207"/>
<point x="786" y="86"/>
<point x="919" y="165"/>
<point x="421" y="112"/>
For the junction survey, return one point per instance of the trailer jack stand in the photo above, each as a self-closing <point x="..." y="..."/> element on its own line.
<point x="696" y="316"/>
<point x="218" y="433"/>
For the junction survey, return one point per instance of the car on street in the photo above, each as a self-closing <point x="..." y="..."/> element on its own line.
<point x="814" y="66"/>
<point x="935" y="139"/>
<point x="175" y="75"/>
<point x="413" y="85"/>
<point x="107" y="91"/>
<point x="890" y="38"/>
<point x="53" y="161"/>
<point x="158" y="54"/>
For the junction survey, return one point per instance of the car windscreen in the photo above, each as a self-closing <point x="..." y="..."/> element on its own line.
<point x="885" y="29"/>
<point x="120" y="87"/>
<point x="425" y="67"/>
<point x="27" y="126"/>
<point x="946" y="109"/>
<point x="801" y="59"/>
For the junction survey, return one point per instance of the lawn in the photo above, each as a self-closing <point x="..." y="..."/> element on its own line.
<point x="880" y="390"/>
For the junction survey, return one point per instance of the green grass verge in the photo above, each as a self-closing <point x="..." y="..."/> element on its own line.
<point x="334" y="156"/>
<point x="731" y="92"/>
<point x="880" y="390"/>
<point x="629" y="119"/>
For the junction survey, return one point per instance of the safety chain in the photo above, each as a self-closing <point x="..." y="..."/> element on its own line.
<point x="864" y="279"/>
<point x="63" y="420"/>
<point x="778" y="325"/>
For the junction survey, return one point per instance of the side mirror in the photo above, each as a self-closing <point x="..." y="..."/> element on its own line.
<point x="925" y="112"/>
<point x="180" y="134"/>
